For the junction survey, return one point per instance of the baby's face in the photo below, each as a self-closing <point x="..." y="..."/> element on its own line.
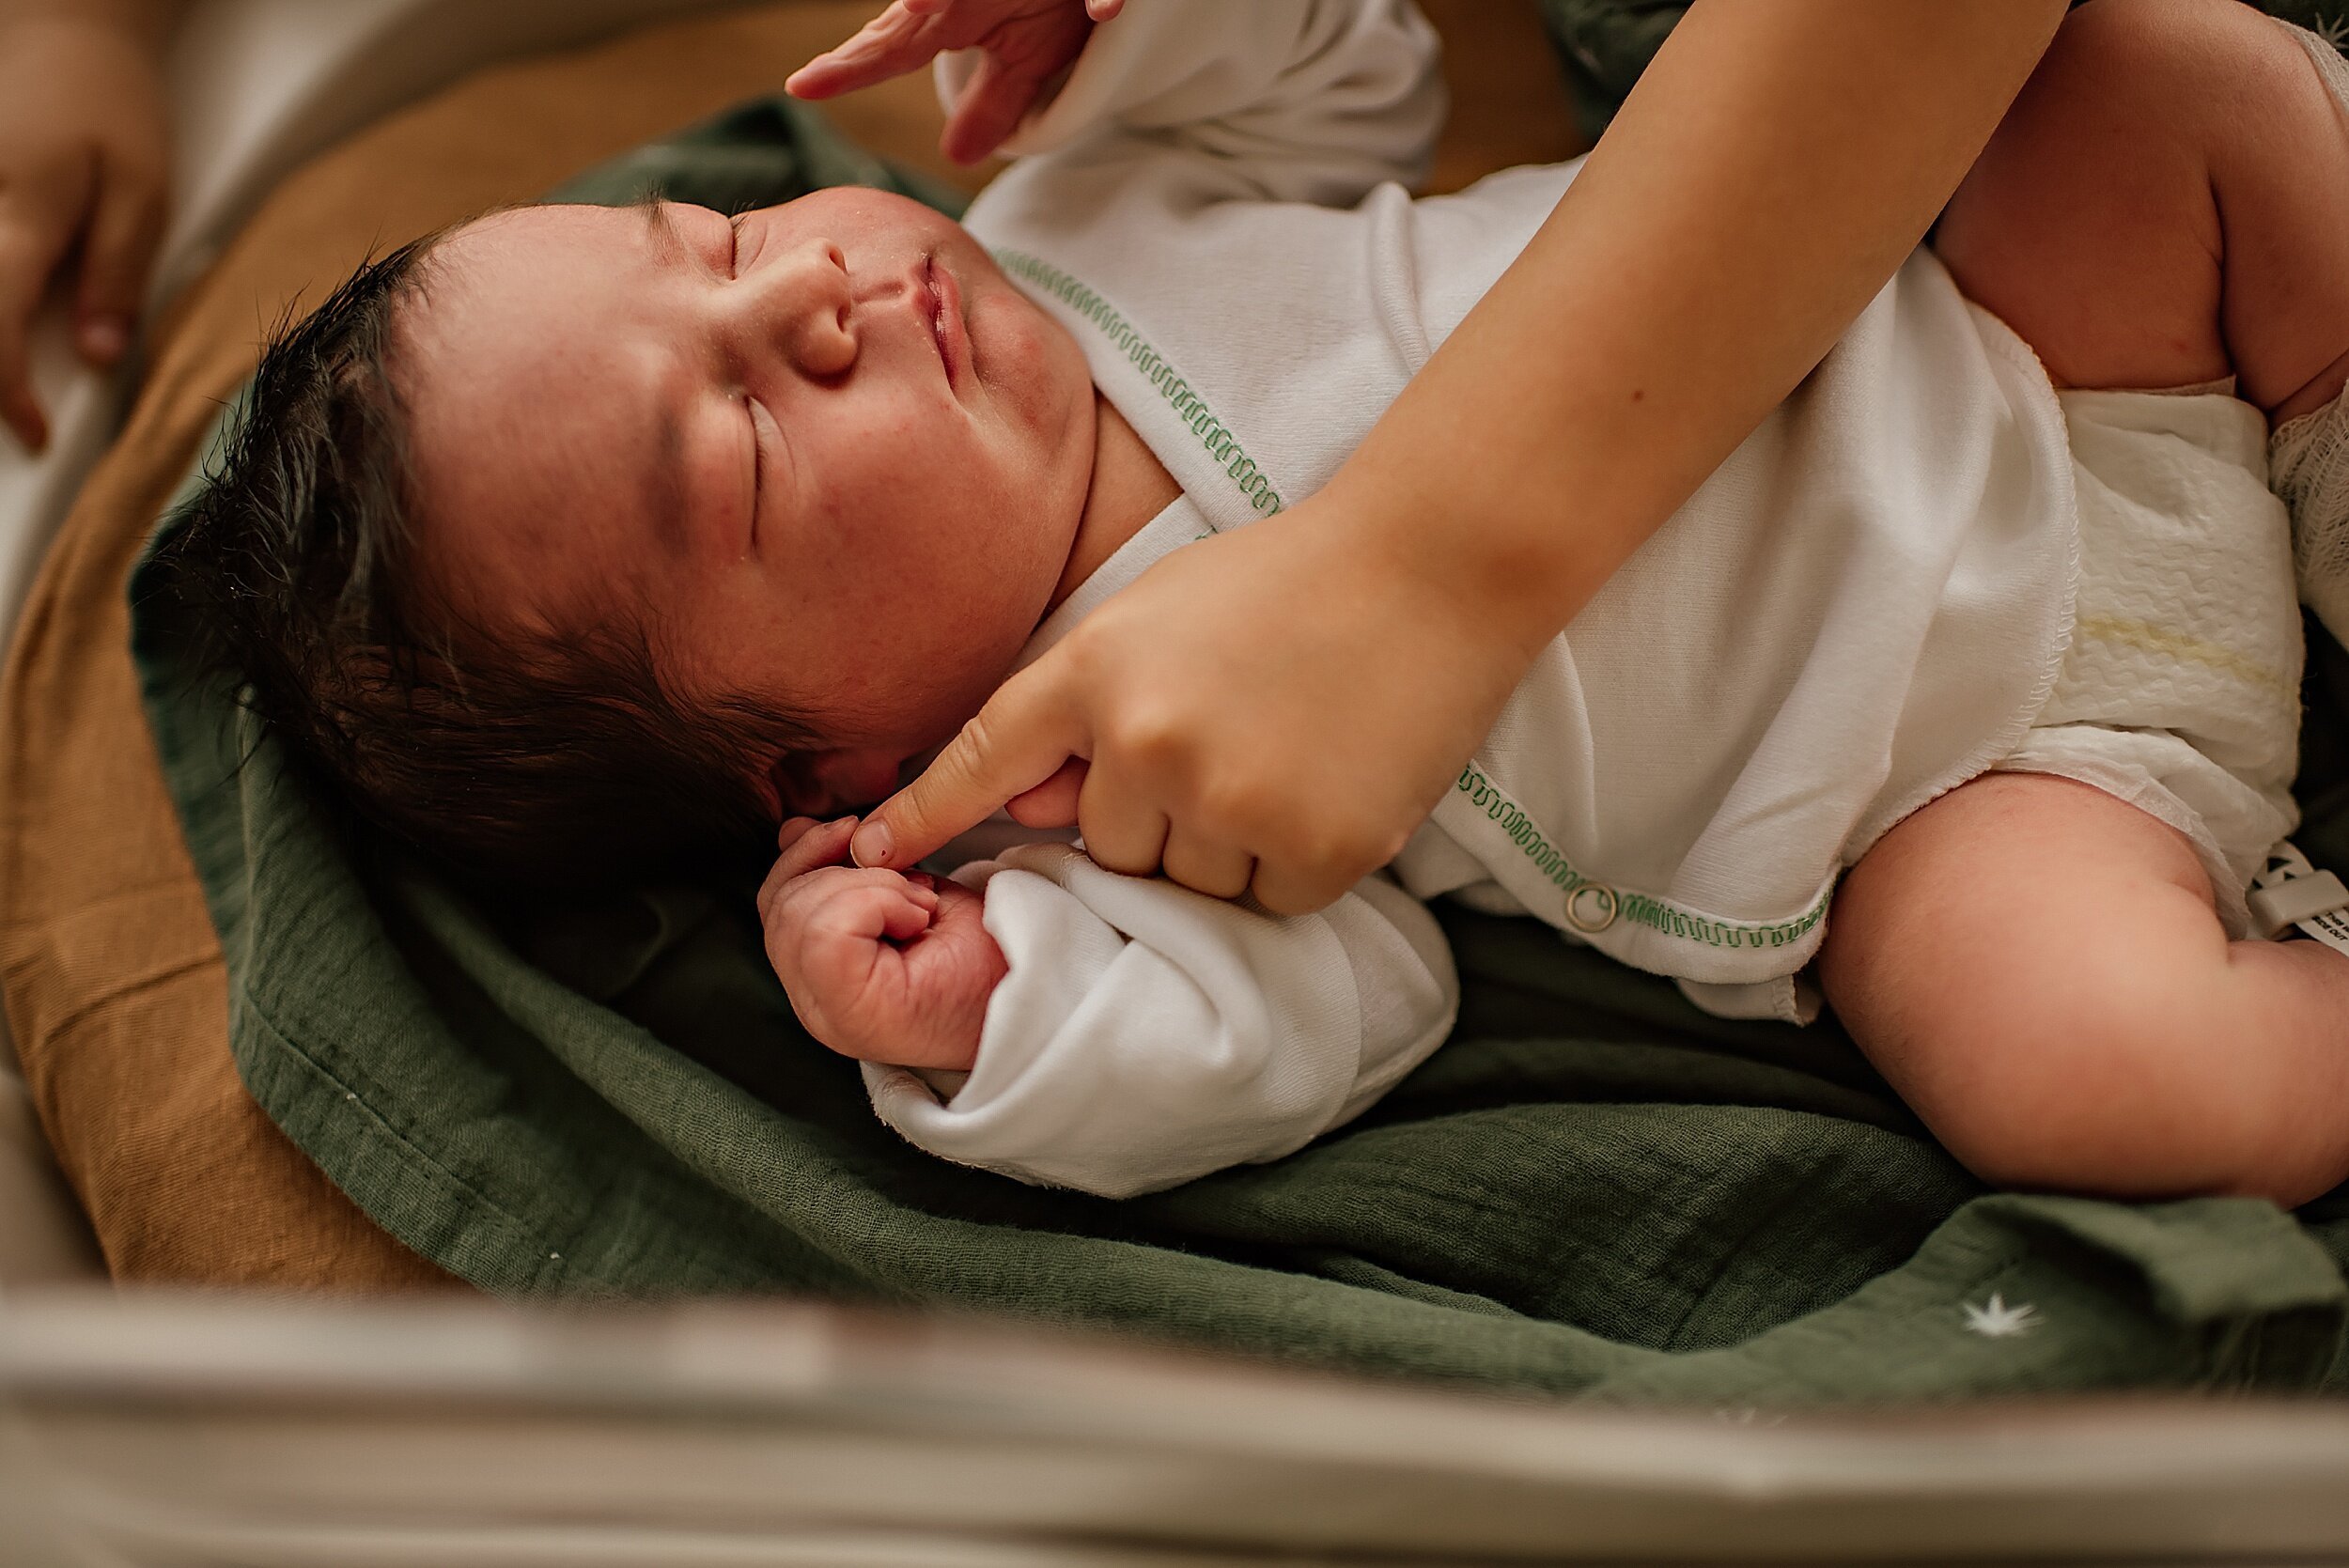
<point x="825" y="456"/>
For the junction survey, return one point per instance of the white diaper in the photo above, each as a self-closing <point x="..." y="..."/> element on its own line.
<point x="2180" y="692"/>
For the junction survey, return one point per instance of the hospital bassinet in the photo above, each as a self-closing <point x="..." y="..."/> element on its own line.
<point x="186" y="1428"/>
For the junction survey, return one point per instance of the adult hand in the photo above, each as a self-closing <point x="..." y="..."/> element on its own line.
<point x="1271" y="710"/>
<point x="1025" y="43"/>
<point x="83" y="159"/>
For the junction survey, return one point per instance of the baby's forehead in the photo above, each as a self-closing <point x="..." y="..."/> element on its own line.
<point x="513" y="244"/>
<point x="526" y="416"/>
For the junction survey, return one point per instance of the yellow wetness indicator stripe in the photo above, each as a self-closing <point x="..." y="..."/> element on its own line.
<point x="2145" y="635"/>
<point x="1180" y="396"/>
<point x="1591" y="905"/>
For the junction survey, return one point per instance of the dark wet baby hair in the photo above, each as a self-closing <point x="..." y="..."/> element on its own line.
<point x="550" y="763"/>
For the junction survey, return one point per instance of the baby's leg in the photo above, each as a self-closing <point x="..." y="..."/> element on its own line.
<point x="2168" y="203"/>
<point x="2036" y="965"/>
<point x="2037" y="968"/>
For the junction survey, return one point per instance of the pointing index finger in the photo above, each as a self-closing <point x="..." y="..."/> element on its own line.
<point x="1017" y="741"/>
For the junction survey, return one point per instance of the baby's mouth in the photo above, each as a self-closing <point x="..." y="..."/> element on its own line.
<point x="945" y="300"/>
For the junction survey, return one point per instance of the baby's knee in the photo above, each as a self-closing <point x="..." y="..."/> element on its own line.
<point x="2122" y="1081"/>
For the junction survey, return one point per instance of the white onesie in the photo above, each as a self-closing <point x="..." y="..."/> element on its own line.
<point x="1865" y="605"/>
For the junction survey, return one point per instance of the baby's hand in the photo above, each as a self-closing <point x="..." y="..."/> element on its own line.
<point x="81" y="181"/>
<point x="1027" y="43"/>
<point x="880" y="965"/>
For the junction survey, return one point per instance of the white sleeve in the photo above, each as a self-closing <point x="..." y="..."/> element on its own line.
<point x="1147" y="1035"/>
<point x="1314" y="100"/>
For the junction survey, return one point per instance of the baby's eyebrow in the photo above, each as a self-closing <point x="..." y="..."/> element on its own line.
<point x="662" y="237"/>
<point x="659" y="228"/>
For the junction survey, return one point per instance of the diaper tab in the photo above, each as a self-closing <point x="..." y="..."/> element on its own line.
<point x="2291" y="893"/>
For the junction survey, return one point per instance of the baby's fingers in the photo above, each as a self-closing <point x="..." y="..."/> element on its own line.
<point x="844" y="900"/>
<point x="804" y="845"/>
<point x="839" y="936"/>
<point x="821" y="844"/>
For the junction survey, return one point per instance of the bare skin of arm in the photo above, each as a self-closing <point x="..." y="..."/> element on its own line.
<point x="83" y="175"/>
<point x="1773" y="167"/>
<point x="1275" y="710"/>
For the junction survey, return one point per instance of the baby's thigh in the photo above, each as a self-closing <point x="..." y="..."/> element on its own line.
<point x="2030" y="964"/>
<point x="2160" y="202"/>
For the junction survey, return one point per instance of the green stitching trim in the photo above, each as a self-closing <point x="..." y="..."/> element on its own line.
<point x="1645" y="908"/>
<point x="1188" y="405"/>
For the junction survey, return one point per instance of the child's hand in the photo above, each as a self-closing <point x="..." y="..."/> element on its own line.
<point x="879" y="965"/>
<point x="1272" y="710"/>
<point x="1027" y="43"/>
<point x="81" y="159"/>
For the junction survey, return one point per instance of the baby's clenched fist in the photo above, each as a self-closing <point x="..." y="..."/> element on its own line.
<point x="882" y="966"/>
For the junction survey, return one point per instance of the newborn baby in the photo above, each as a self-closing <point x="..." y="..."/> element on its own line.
<point x="708" y="522"/>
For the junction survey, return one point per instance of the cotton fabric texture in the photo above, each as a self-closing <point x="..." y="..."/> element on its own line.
<point x="1593" y="1189"/>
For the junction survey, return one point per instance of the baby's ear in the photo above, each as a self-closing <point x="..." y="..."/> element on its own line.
<point x="797" y="793"/>
<point x="826" y="782"/>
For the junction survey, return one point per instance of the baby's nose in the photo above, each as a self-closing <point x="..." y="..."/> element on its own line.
<point x="811" y="288"/>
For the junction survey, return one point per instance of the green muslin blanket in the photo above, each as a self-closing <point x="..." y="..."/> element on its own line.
<point x="1593" y="1189"/>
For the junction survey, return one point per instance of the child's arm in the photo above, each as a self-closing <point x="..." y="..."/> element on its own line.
<point x="1314" y="681"/>
<point x="81" y="159"/>
<point x="1120" y="1034"/>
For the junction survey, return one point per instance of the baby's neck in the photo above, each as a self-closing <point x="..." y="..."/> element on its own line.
<point x="1129" y="488"/>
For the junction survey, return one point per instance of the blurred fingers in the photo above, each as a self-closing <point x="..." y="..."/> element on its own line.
<point x="898" y="40"/>
<point x="988" y="110"/>
<point x="1021" y="56"/>
<point x="31" y="241"/>
<point x="117" y="256"/>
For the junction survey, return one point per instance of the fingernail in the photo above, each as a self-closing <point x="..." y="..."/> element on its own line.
<point x="104" y="338"/>
<point x="870" y="846"/>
